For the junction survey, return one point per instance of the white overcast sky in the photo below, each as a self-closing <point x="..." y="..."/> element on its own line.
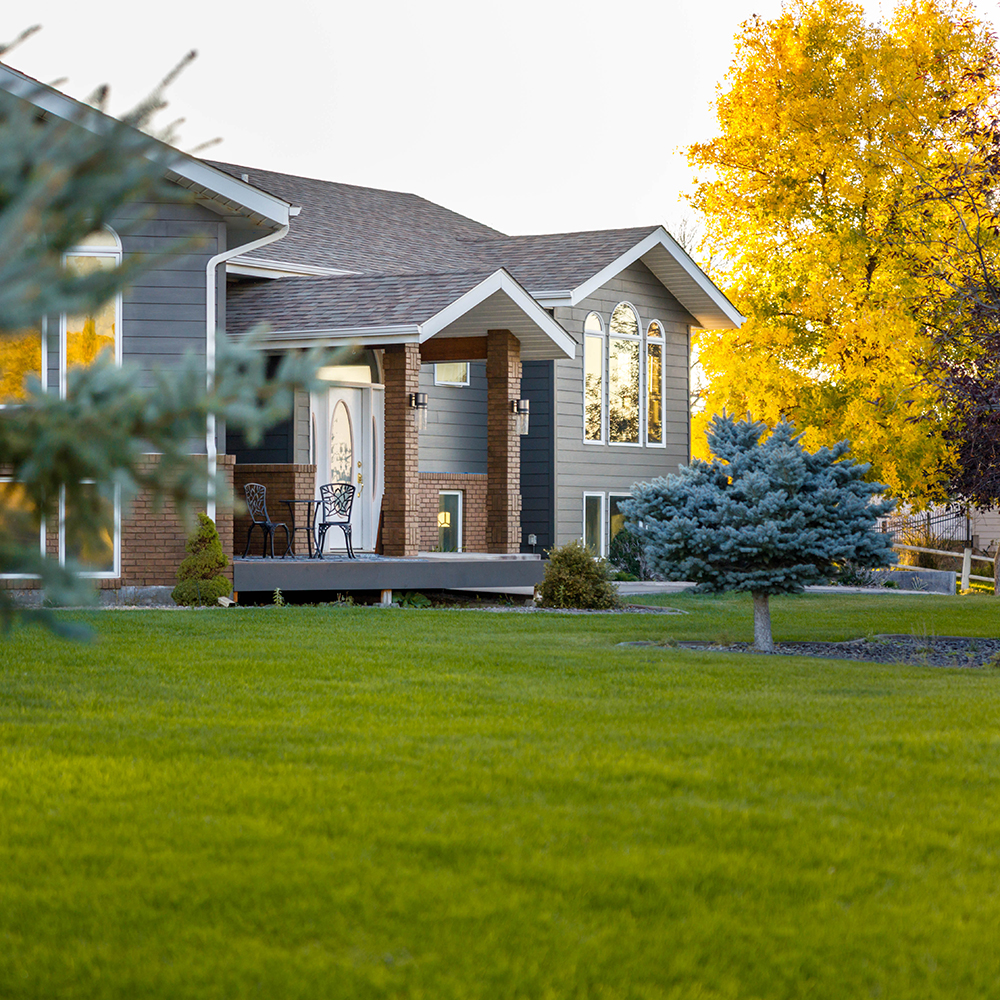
<point x="528" y="115"/>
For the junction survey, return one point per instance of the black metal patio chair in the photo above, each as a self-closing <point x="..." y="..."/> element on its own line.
<point x="257" y="507"/>
<point x="336" y="500"/>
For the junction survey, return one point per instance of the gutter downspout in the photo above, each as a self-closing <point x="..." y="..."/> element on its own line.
<point x="211" y="447"/>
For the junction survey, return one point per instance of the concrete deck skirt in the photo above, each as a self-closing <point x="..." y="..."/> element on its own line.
<point x="427" y="572"/>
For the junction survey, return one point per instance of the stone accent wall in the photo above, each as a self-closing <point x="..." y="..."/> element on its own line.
<point x="503" y="443"/>
<point x="283" y="482"/>
<point x="152" y="540"/>
<point x="401" y="496"/>
<point x="473" y="490"/>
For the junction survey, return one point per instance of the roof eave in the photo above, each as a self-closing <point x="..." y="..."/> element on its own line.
<point x="231" y="195"/>
<point x="690" y="286"/>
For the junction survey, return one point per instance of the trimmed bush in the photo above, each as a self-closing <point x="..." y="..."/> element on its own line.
<point x="200" y="575"/>
<point x="626" y="555"/>
<point x="575" y="579"/>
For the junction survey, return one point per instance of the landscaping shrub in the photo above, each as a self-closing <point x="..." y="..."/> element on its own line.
<point x="200" y="575"/>
<point x="575" y="579"/>
<point x="626" y="555"/>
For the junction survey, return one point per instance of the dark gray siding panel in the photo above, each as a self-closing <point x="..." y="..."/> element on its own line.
<point x="275" y="447"/>
<point x="537" y="454"/>
<point x="587" y="467"/>
<point x="455" y="439"/>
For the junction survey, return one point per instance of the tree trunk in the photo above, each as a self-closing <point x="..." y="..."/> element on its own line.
<point x="762" y="640"/>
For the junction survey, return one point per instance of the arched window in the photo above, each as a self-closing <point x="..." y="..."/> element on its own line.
<point x="624" y="376"/>
<point x="85" y="336"/>
<point x="593" y="378"/>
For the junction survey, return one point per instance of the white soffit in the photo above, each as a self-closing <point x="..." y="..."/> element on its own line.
<point x="500" y="303"/>
<point x="683" y="278"/>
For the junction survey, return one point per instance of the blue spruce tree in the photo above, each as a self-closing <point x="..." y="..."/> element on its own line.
<point x="764" y="517"/>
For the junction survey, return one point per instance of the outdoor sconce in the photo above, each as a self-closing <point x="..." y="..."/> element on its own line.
<point x="418" y="403"/>
<point x="444" y="519"/>
<point x="519" y="407"/>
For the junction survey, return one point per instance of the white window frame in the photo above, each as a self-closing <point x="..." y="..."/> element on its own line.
<point x="91" y="251"/>
<point x="115" y="572"/>
<point x="468" y="374"/>
<point x="455" y="493"/>
<point x="662" y="341"/>
<point x="602" y="339"/>
<point x="604" y="518"/>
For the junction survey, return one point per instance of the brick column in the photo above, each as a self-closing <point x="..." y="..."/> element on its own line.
<point x="401" y="498"/>
<point x="503" y="443"/>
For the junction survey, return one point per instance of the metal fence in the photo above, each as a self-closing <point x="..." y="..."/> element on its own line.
<point x="947" y="524"/>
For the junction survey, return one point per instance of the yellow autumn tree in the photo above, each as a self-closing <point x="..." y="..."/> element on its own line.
<point x="821" y="213"/>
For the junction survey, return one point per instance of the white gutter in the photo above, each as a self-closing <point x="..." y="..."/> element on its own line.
<point x="211" y="447"/>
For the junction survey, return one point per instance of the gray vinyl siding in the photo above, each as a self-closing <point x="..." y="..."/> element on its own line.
<point x="537" y="456"/>
<point x="455" y="439"/>
<point x="301" y="450"/>
<point x="601" y="467"/>
<point x="163" y="312"/>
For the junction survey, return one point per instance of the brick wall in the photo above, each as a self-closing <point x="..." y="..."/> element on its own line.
<point x="401" y="496"/>
<point x="283" y="482"/>
<point x="503" y="443"/>
<point x="152" y="539"/>
<point x="473" y="490"/>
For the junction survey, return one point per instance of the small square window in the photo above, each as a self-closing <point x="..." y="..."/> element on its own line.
<point x="452" y="373"/>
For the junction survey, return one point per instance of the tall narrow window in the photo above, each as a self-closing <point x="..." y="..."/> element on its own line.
<point x="85" y="336"/>
<point x="91" y="543"/>
<point x="450" y="521"/>
<point x="593" y="378"/>
<point x="624" y="348"/>
<point x="20" y="357"/>
<point x="593" y="522"/>
<point x="616" y="519"/>
<point x="654" y="383"/>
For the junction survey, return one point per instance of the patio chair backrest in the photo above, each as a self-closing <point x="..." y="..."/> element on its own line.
<point x="257" y="502"/>
<point x="337" y="499"/>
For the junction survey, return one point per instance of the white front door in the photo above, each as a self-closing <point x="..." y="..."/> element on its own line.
<point x="347" y="448"/>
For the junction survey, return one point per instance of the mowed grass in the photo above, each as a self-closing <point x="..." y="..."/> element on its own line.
<point x="310" y="802"/>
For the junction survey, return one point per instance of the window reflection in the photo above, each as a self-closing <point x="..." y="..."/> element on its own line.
<point x="89" y="541"/>
<point x="20" y="356"/>
<point x="654" y="393"/>
<point x="593" y="386"/>
<point x="93" y="333"/>
<point x="18" y="519"/>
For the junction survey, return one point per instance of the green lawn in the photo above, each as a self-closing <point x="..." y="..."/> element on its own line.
<point x="310" y="802"/>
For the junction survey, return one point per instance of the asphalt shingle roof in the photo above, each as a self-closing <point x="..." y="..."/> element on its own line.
<point x="347" y="301"/>
<point x="385" y="232"/>
<point x="363" y="229"/>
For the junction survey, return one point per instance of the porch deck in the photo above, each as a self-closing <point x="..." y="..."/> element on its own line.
<point x="335" y="573"/>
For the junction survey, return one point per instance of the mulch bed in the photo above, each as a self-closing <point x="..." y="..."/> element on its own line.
<point x="930" y="651"/>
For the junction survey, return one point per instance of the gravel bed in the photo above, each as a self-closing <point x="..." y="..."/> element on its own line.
<point x="930" y="651"/>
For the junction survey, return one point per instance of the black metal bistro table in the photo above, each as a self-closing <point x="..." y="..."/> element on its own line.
<point x="312" y="506"/>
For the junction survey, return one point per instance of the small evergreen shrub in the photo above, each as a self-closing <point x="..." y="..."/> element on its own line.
<point x="626" y="555"/>
<point x="575" y="579"/>
<point x="200" y="579"/>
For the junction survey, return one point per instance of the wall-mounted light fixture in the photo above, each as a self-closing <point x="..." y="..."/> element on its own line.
<point x="444" y="519"/>
<point x="520" y="407"/>
<point x="418" y="403"/>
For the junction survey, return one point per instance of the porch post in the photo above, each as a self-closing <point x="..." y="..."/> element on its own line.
<point x="400" y="499"/>
<point x="503" y="444"/>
